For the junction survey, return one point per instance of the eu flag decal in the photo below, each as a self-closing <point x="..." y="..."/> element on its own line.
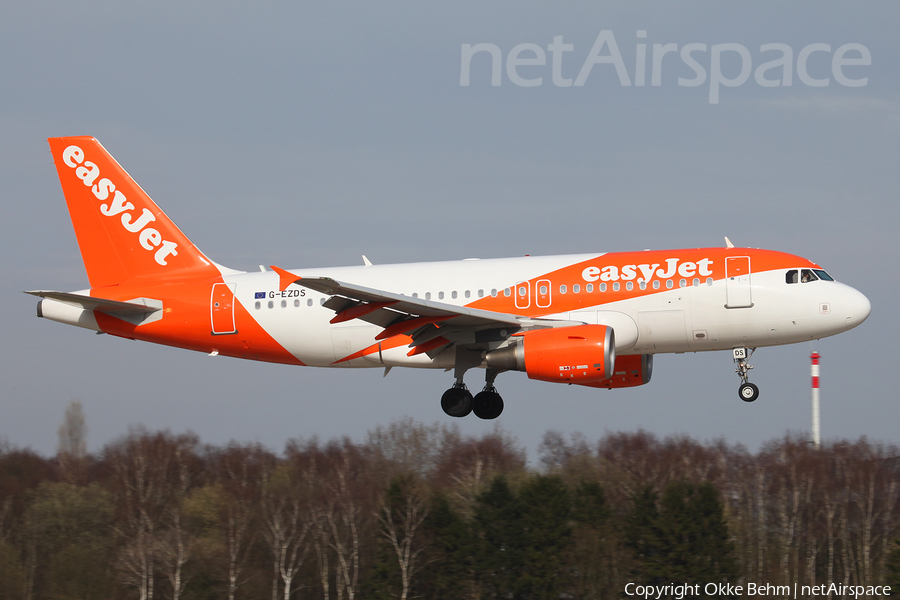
<point x="260" y="295"/>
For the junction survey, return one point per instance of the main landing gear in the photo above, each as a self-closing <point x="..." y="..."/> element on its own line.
<point x="486" y="404"/>
<point x="748" y="392"/>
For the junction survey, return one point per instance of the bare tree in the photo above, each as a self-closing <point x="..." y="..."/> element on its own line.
<point x="144" y="475"/>
<point x="238" y="471"/>
<point x="344" y="520"/>
<point x="285" y="527"/>
<point x="176" y="542"/>
<point x="401" y="514"/>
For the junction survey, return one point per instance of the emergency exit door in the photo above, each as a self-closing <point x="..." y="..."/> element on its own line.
<point x="737" y="282"/>
<point x="222" y="308"/>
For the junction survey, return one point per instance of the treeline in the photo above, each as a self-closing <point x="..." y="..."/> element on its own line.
<point x="417" y="511"/>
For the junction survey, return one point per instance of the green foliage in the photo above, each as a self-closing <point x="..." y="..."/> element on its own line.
<point x="893" y="569"/>
<point x="498" y="523"/>
<point x="71" y="527"/>
<point x="681" y="537"/>
<point x="12" y="575"/>
<point x="449" y="573"/>
<point x="594" y="544"/>
<point x="547" y="537"/>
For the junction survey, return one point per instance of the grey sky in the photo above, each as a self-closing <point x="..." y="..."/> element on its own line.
<point x="307" y="134"/>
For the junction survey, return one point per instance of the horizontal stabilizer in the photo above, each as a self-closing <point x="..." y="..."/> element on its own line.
<point x="136" y="310"/>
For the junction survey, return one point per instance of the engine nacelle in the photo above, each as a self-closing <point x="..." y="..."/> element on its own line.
<point x="579" y="354"/>
<point x="630" y="371"/>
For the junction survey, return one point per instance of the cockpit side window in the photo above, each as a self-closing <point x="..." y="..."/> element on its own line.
<point x="806" y="275"/>
<point x="792" y="276"/>
<point x="823" y="275"/>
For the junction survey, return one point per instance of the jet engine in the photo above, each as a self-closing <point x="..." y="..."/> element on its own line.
<point x="582" y="354"/>
<point x="629" y="371"/>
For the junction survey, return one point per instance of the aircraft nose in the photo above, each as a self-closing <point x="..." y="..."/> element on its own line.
<point x="856" y="307"/>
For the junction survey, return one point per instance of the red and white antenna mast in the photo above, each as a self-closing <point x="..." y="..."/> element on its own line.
<point x="816" y="432"/>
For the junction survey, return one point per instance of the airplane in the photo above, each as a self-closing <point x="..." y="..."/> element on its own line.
<point x="593" y="320"/>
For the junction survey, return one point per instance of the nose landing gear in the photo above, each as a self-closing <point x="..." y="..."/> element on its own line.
<point x="487" y="404"/>
<point x="748" y="392"/>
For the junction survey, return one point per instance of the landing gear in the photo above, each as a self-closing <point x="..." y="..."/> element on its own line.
<point x="487" y="404"/>
<point x="748" y="392"/>
<point x="457" y="401"/>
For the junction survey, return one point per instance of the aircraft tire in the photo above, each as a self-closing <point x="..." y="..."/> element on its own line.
<point x="487" y="405"/>
<point x="748" y="392"/>
<point x="457" y="402"/>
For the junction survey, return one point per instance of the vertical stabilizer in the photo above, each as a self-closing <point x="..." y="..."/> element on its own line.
<point x="121" y="232"/>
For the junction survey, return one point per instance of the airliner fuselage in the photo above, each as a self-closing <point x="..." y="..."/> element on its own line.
<point x="590" y="319"/>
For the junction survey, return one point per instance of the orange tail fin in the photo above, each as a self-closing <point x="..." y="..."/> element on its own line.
<point x="121" y="232"/>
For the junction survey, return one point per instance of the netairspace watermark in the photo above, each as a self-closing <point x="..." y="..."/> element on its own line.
<point x="686" y="590"/>
<point x="704" y="61"/>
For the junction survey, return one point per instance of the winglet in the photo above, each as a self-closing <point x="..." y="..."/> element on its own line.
<point x="285" y="278"/>
<point x="728" y="243"/>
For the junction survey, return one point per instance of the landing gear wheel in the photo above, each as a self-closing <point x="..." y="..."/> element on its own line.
<point x="748" y="392"/>
<point x="487" y="405"/>
<point x="457" y="402"/>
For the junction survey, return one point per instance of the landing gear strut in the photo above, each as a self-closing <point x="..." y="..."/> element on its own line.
<point x="487" y="404"/>
<point x="748" y="392"/>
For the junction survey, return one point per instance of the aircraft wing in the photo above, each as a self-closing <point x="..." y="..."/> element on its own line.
<point x="432" y="325"/>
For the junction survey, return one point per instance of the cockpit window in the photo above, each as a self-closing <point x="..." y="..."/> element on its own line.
<point x="806" y="275"/>
<point x="823" y="275"/>
<point x="792" y="276"/>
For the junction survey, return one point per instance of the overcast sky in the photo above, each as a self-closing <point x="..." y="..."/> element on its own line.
<point x="305" y="134"/>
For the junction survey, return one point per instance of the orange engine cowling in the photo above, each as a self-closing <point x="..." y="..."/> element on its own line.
<point x="580" y="354"/>
<point x="629" y="371"/>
